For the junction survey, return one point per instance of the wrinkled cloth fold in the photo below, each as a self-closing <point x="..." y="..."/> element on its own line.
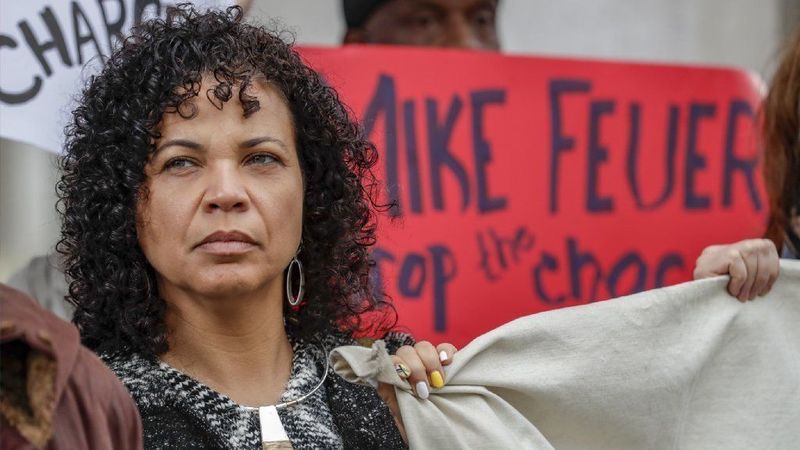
<point x="686" y="366"/>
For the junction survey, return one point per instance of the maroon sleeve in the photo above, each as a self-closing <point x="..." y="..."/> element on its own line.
<point x="107" y="404"/>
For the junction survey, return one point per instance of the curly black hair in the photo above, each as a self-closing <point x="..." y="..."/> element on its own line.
<point x="112" y="134"/>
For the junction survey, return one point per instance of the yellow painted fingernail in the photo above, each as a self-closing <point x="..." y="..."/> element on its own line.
<point x="436" y="379"/>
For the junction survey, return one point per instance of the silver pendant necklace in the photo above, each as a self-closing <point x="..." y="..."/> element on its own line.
<point x="273" y="435"/>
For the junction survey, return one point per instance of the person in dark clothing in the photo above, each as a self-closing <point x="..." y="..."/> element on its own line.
<point x="55" y="393"/>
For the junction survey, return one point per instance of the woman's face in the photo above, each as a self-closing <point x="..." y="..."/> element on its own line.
<point x="222" y="214"/>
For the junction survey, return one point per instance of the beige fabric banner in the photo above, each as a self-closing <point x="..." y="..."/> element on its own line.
<point x="683" y="367"/>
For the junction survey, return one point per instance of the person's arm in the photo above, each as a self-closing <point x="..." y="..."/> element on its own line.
<point x="752" y="264"/>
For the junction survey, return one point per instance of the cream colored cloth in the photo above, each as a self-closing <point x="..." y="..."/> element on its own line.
<point x="683" y="367"/>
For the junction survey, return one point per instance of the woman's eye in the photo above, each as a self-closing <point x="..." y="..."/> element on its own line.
<point x="261" y="159"/>
<point x="178" y="164"/>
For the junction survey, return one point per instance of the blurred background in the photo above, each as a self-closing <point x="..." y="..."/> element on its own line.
<point x="737" y="33"/>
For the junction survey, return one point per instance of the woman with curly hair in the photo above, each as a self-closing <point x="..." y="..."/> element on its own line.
<point x="218" y="207"/>
<point x="753" y="263"/>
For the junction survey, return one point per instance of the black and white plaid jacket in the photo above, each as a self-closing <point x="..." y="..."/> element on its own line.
<point x="179" y="412"/>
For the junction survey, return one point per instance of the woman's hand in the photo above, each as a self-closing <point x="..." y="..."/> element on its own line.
<point x="752" y="264"/>
<point x="420" y="365"/>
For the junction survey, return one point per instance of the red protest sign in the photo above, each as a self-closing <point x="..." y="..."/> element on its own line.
<point x="526" y="184"/>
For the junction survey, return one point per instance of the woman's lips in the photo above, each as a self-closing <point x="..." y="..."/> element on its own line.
<point x="226" y="247"/>
<point x="227" y="243"/>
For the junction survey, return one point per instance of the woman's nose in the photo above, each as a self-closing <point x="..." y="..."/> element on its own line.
<point x="225" y="191"/>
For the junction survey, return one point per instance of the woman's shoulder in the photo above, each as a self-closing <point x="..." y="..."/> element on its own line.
<point x="178" y="411"/>
<point x="128" y="365"/>
<point x="393" y="339"/>
<point x="141" y="375"/>
<point x="151" y="383"/>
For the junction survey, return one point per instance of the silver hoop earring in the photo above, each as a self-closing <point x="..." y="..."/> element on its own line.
<point x="295" y="300"/>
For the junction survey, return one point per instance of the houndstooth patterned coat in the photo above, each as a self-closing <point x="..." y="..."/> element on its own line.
<point x="180" y="412"/>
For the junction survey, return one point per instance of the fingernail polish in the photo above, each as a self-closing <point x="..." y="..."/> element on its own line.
<point x="442" y="356"/>
<point x="402" y="370"/>
<point x="422" y="390"/>
<point x="436" y="379"/>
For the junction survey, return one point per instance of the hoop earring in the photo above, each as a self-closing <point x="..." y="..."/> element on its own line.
<point x="290" y="297"/>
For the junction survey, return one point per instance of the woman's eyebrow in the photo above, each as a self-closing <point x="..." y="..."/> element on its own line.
<point x="262" y="139"/>
<point x="179" y="143"/>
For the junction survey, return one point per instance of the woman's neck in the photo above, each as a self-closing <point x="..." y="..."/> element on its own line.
<point x="236" y="346"/>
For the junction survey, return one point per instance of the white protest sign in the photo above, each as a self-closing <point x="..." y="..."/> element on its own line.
<point x="49" y="48"/>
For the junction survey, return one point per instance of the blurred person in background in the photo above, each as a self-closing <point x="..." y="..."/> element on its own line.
<point x="55" y="393"/>
<point x="466" y="24"/>
<point x="782" y="157"/>
<point x="43" y="279"/>
<point x="752" y="263"/>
